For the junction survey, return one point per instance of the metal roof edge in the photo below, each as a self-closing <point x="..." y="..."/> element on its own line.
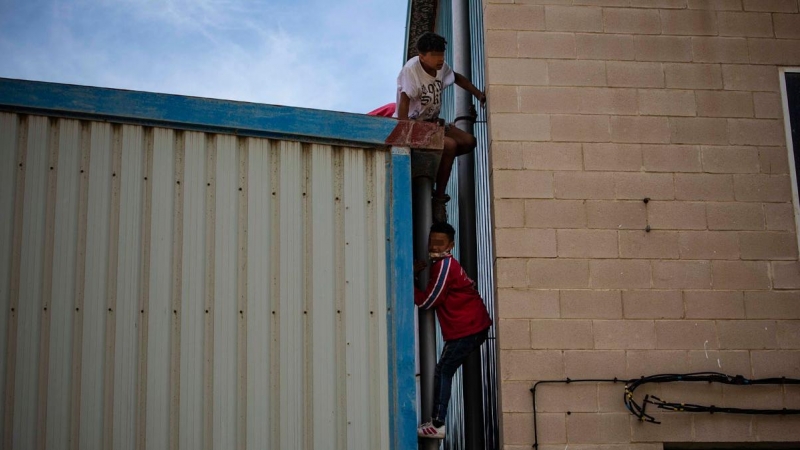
<point x="194" y="113"/>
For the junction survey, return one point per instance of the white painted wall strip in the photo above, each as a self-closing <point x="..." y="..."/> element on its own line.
<point x="159" y="311"/>
<point x="193" y="292"/>
<point x="95" y="308"/>
<point x="8" y="179"/>
<point x="30" y="284"/>
<point x="225" y="293"/>
<point x="65" y="251"/>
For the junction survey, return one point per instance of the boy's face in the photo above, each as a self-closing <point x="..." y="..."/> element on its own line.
<point x="439" y="243"/>
<point x="432" y="60"/>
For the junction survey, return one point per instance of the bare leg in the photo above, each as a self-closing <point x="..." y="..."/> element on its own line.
<point x="456" y="143"/>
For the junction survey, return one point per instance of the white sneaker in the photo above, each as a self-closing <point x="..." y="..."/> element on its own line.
<point x="427" y="430"/>
<point x="439" y="208"/>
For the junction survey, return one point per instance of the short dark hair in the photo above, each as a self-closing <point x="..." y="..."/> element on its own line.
<point x="431" y="42"/>
<point x="446" y="228"/>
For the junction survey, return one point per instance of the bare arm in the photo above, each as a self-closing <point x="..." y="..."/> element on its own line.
<point x="402" y="108"/>
<point x="467" y="85"/>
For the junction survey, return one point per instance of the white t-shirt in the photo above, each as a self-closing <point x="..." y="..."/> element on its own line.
<point x="423" y="90"/>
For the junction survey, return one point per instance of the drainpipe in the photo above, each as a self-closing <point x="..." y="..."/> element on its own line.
<point x="468" y="247"/>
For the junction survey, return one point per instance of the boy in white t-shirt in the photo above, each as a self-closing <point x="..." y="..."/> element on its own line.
<point x="419" y="97"/>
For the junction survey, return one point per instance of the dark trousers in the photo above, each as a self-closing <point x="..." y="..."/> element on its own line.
<point x="454" y="354"/>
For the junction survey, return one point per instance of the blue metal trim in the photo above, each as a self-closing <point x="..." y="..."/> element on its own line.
<point x="193" y="113"/>
<point x="401" y="338"/>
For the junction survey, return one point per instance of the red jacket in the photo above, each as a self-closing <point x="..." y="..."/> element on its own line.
<point x="458" y="305"/>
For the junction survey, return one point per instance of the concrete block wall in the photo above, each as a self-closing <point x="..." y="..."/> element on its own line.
<point x="596" y="105"/>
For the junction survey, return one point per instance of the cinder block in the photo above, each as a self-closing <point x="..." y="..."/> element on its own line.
<point x="591" y="304"/>
<point x="787" y="26"/>
<point x="708" y="428"/>
<point x="504" y="98"/>
<point x="703" y="187"/>
<point x="735" y="216"/>
<point x="730" y="159"/>
<point x="756" y="132"/>
<point x="546" y="45"/>
<point x="587" y="243"/>
<point x="514" y="334"/>
<point x="663" y="48"/>
<point x="635" y="74"/>
<point x="506" y="155"/>
<point x="592" y="428"/>
<point x="750" y="78"/>
<point x="672" y="158"/>
<point x="527" y="304"/>
<point x="733" y="362"/>
<point x="780" y="216"/>
<point x="595" y="363"/>
<point x="607" y="101"/>
<point x="652" y="245"/>
<point x="583" y="185"/>
<point x="613" y="157"/>
<point x="552" y="156"/>
<point x="550" y="100"/>
<point x="523" y="184"/>
<point x="651" y="362"/>
<point x="774" y="160"/>
<point x="699" y="130"/>
<point x="769" y="245"/>
<point x="555" y="214"/>
<point x="694" y="393"/>
<point x="709" y="245"/>
<point x="786" y="275"/>
<point x="577" y="73"/>
<point x="747" y="334"/>
<point x="520" y="127"/>
<point x="517" y="72"/>
<point x="515" y="17"/>
<point x="772" y="304"/>
<point x="578" y="397"/>
<point x="640" y="130"/>
<point x="616" y="214"/>
<point x="667" y="102"/>
<point x="561" y="334"/>
<point x="512" y="272"/>
<point x="786" y="427"/>
<point x="746" y="24"/>
<point x="789" y="334"/>
<point x="714" y="304"/>
<point x="632" y="21"/>
<point x="574" y="18"/>
<point x="502" y="44"/>
<point x="610" y="396"/>
<point x="724" y="104"/>
<point x="516" y="396"/>
<point x="558" y="273"/>
<point x="763" y="188"/>
<point x="771" y="363"/>
<point x="675" y="427"/>
<point x="740" y="275"/>
<point x="686" y="334"/>
<point x="531" y="364"/>
<point x="662" y="4"/>
<point x="619" y="274"/>
<point x="617" y="47"/>
<point x="720" y="50"/>
<point x="689" y="22"/>
<point x="719" y="5"/>
<point x="682" y="275"/>
<point x="693" y="76"/>
<point x="525" y="242"/>
<point x="677" y="215"/>
<point x="509" y="213"/>
<point x="786" y="6"/>
<point x="580" y="128"/>
<point x="652" y="304"/>
<point x="767" y="105"/>
<point x="517" y="428"/>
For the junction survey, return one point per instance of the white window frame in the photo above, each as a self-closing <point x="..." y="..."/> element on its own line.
<point x="787" y="124"/>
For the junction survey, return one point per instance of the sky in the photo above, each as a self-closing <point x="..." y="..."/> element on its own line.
<point x="341" y="55"/>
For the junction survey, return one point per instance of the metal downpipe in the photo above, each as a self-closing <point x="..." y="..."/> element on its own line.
<point x="467" y="234"/>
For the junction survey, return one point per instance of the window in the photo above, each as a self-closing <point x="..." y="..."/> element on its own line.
<point x="790" y="92"/>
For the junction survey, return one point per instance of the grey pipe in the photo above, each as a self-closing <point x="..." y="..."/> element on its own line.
<point x="468" y="245"/>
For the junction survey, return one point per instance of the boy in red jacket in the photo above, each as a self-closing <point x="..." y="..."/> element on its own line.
<point x="462" y="317"/>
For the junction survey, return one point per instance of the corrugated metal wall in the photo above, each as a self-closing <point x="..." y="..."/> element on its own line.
<point x="178" y="289"/>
